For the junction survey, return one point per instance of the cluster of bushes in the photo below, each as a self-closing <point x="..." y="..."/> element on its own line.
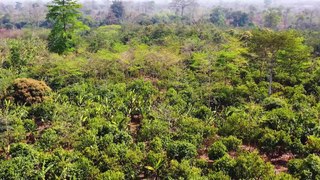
<point x="154" y="101"/>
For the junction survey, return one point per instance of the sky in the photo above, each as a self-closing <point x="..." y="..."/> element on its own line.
<point x="201" y="1"/>
<point x="163" y="1"/>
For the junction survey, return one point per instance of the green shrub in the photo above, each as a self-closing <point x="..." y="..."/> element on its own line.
<point x="49" y="140"/>
<point x="79" y="92"/>
<point x="251" y="166"/>
<point x="232" y="143"/>
<point x="122" y="137"/>
<point x="218" y="176"/>
<point x="203" y="112"/>
<point x="238" y="123"/>
<point x="225" y="164"/>
<point x="140" y="97"/>
<point x="7" y="77"/>
<point x="285" y="176"/>
<point x="153" y="128"/>
<point x="88" y="139"/>
<point x="60" y="72"/>
<point x="156" y="163"/>
<point x="295" y="166"/>
<point x="274" y="142"/>
<point x="112" y="175"/>
<point x="42" y="112"/>
<point x="224" y="96"/>
<point x="271" y="103"/>
<point x="21" y="149"/>
<point x="156" y="144"/>
<point x="193" y="130"/>
<point x="67" y="164"/>
<point x="280" y="119"/>
<point x="18" y="168"/>
<point x="174" y="99"/>
<point x="297" y="147"/>
<point x="22" y="52"/>
<point x="29" y="125"/>
<point x="183" y="170"/>
<point x="217" y="150"/>
<point x="308" y="168"/>
<point x="103" y="37"/>
<point x="181" y="150"/>
<point x="84" y="169"/>
<point x="313" y="144"/>
<point x="131" y="160"/>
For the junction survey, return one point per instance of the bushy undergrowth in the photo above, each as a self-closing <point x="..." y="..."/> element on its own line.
<point x="159" y="102"/>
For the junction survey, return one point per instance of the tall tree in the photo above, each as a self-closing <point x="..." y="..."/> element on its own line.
<point x="148" y="6"/>
<point x="305" y="20"/>
<point x="18" y="6"/>
<point x="286" y="17"/>
<point x="239" y="18"/>
<point x="64" y="16"/>
<point x="252" y="13"/>
<point x="282" y="52"/>
<point x="117" y="9"/>
<point x="181" y="5"/>
<point x="272" y="18"/>
<point x="218" y="16"/>
<point x="35" y="14"/>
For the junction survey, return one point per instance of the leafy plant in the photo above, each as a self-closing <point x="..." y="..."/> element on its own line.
<point x="217" y="150"/>
<point x="181" y="150"/>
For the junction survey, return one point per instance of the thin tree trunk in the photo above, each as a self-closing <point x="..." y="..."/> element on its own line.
<point x="182" y="11"/>
<point x="270" y="82"/>
<point x="270" y="77"/>
<point x="64" y="18"/>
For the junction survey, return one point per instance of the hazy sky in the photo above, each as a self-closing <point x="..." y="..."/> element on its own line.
<point x="164" y="1"/>
<point x="201" y="1"/>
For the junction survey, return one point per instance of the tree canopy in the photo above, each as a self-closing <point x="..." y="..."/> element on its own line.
<point x="64" y="16"/>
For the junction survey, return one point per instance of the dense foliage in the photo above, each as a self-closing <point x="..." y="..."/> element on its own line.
<point x="163" y="100"/>
<point x="63" y="14"/>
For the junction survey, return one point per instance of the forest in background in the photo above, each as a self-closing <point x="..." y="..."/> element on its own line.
<point x="285" y="14"/>
<point x="148" y="90"/>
